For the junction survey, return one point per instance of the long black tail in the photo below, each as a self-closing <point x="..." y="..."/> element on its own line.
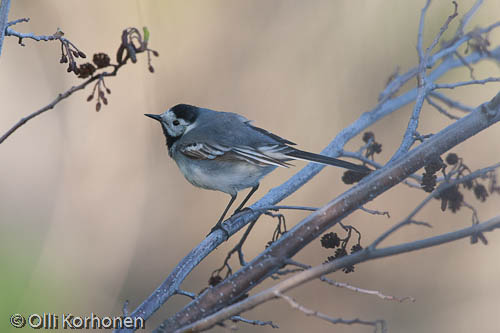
<point x="306" y="156"/>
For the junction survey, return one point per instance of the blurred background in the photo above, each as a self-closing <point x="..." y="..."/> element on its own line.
<point x="93" y="211"/>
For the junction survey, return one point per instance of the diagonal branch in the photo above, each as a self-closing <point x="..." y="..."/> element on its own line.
<point x="48" y="107"/>
<point x="51" y="105"/>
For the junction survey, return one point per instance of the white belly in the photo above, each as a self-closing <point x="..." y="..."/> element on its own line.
<point x="228" y="177"/>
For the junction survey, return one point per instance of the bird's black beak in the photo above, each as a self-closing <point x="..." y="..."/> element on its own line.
<point x="154" y="116"/>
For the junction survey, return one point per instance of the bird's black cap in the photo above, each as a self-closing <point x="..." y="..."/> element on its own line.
<point x="185" y="111"/>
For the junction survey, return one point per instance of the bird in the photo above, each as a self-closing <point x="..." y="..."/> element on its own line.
<point x="224" y="151"/>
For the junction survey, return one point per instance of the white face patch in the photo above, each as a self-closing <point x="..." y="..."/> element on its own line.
<point x="176" y="126"/>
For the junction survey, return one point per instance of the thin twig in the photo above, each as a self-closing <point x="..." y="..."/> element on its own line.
<point x="447" y="51"/>
<point x="440" y="109"/>
<point x="450" y="102"/>
<point x="392" y="88"/>
<point x="420" y="35"/>
<point x="443" y="28"/>
<point x="265" y="208"/>
<point x="254" y="322"/>
<point x="320" y="315"/>
<point x="282" y="272"/>
<point x="51" y="105"/>
<point x="185" y="293"/>
<point x="350" y="287"/>
<point x="238" y="248"/>
<point x="422" y="82"/>
<point x="463" y="83"/>
<point x="466" y="64"/>
<point x="375" y="212"/>
<point x="367" y="291"/>
<point x="38" y="38"/>
<point x="467" y="17"/>
<point x="23" y="19"/>
<point x="361" y="157"/>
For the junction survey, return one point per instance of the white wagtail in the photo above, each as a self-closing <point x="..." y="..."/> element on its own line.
<point x="223" y="151"/>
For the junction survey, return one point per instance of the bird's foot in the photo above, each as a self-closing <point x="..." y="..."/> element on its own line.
<point x="219" y="226"/>
<point x="239" y="210"/>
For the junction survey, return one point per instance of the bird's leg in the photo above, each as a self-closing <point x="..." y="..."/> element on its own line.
<point x="240" y="207"/>
<point x="219" y="224"/>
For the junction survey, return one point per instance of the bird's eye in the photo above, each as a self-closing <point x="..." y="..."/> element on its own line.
<point x="176" y="122"/>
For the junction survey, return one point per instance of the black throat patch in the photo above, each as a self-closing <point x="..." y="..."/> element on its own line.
<point x="170" y="139"/>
